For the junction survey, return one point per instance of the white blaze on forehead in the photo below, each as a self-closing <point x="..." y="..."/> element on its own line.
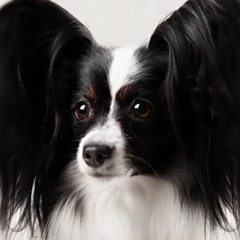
<point x="124" y="65"/>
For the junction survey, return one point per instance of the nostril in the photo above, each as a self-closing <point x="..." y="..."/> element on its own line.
<point x="104" y="152"/>
<point x="100" y="157"/>
<point x="95" y="155"/>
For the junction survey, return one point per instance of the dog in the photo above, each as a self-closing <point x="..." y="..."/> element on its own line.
<point x="120" y="143"/>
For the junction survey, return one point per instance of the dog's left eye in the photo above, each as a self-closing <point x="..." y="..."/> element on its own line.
<point x="141" y="108"/>
<point x="82" y="110"/>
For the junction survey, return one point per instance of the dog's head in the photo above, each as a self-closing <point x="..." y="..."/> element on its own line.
<point x="118" y="113"/>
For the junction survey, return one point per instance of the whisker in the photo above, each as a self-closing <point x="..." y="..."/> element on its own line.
<point x="134" y="168"/>
<point x="143" y="161"/>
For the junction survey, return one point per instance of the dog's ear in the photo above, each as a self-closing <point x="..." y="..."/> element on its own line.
<point x="69" y="49"/>
<point x="201" y="40"/>
<point x="187" y="39"/>
<point x="37" y="39"/>
<point x="202" y="89"/>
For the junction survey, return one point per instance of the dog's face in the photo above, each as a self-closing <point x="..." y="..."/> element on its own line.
<point x="119" y="114"/>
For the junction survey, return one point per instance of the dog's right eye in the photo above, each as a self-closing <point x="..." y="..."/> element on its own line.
<point x="82" y="110"/>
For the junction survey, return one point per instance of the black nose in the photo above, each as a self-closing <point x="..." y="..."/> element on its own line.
<point x="95" y="155"/>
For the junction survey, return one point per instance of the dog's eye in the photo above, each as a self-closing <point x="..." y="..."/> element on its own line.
<point x="141" y="108"/>
<point x="82" y="110"/>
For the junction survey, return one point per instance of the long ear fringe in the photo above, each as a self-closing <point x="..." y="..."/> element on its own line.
<point x="32" y="34"/>
<point x="202" y="89"/>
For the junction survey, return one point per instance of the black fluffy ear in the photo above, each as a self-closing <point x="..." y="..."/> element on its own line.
<point x="37" y="38"/>
<point x="202" y="91"/>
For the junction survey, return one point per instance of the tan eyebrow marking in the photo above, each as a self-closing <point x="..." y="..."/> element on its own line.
<point x="91" y="94"/>
<point x="125" y="91"/>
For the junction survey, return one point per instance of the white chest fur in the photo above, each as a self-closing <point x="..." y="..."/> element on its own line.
<point x="139" y="208"/>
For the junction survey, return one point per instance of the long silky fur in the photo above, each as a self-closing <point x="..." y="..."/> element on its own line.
<point x="202" y="89"/>
<point x="35" y="137"/>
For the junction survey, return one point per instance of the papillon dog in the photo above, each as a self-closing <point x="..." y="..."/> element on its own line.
<point x="134" y="143"/>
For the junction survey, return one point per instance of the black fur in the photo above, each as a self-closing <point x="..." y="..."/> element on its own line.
<point x="36" y="137"/>
<point x="202" y="89"/>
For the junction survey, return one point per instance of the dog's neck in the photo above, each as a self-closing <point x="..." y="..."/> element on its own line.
<point x="127" y="208"/>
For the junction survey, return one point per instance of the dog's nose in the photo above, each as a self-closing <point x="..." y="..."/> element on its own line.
<point x="95" y="155"/>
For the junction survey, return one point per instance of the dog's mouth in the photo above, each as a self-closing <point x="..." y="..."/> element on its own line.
<point x="111" y="172"/>
<point x="103" y="172"/>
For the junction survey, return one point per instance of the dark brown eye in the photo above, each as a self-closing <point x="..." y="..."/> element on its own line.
<point x="141" y="108"/>
<point x="82" y="110"/>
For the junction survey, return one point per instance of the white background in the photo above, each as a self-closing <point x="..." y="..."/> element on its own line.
<point x="120" y="22"/>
